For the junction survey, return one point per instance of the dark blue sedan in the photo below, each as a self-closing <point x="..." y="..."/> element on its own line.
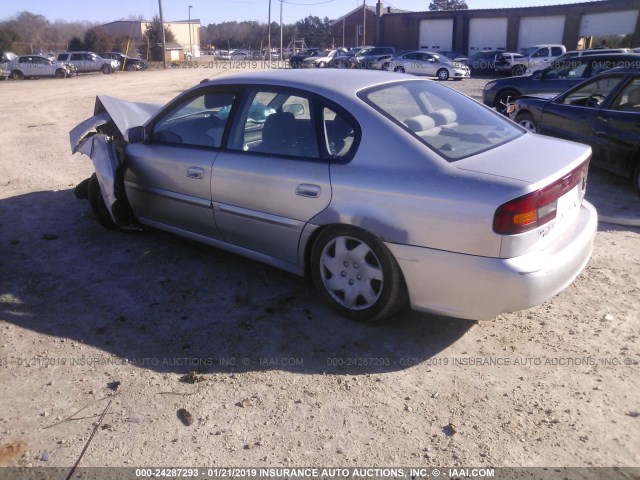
<point x="554" y="79"/>
<point x="603" y="112"/>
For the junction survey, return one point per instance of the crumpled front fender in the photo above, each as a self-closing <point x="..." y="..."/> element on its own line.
<point x="101" y="148"/>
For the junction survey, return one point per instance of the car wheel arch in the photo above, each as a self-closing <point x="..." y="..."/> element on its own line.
<point x="382" y="229"/>
<point x="505" y="92"/>
<point x="393" y="295"/>
<point x="527" y="115"/>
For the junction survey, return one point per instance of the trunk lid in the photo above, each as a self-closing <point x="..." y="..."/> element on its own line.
<point x="546" y="206"/>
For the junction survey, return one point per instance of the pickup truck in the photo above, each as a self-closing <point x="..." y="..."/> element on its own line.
<point x="536" y="58"/>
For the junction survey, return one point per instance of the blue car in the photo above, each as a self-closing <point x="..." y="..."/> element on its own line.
<point x="603" y="112"/>
<point x="554" y="79"/>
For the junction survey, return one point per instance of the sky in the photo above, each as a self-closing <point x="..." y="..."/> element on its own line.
<point x="216" y="11"/>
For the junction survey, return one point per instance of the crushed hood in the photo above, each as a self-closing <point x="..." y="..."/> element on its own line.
<point x="123" y="113"/>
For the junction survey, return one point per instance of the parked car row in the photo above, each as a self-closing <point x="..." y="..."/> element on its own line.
<point x="65" y="64"/>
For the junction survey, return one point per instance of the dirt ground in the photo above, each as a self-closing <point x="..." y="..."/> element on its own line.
<point x="89" y="316"/>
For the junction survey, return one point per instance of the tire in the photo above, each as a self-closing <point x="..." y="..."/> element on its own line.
<point x="17" y="75"/>
<point x="321" y="65"/>
<point x="504" y="97"/>
<point x="106" y="69"/>
<point x="399" y="69"/>
<point x="355" y="273"/>
<point x="526" y="120"/>
<point x="97" y="204"/>
<point x="60" y="73"/>
<point x="131" y="67"/>
<point x="443" y="74"/>
<point x="518" y="70"/>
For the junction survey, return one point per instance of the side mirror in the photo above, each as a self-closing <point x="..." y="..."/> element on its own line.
<point x="135" y="135"/>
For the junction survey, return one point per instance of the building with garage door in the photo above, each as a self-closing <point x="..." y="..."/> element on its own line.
<point x="512" y="29"/>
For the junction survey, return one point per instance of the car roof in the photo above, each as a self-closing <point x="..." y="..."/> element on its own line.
<point x="625" y="70"/>
<point x="341" y="81"/>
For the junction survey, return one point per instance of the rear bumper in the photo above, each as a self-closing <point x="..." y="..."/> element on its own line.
<point x="479" y="288"/>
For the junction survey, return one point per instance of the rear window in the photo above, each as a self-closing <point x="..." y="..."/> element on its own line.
<point x="444" y="120"/>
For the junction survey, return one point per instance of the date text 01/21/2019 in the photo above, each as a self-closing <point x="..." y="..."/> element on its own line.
<point x="232" y="65"/>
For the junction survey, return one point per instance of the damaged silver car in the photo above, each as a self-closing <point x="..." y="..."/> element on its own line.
<point x="385" y="190"/>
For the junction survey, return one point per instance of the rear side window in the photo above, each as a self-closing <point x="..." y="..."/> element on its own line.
<point x="444" y="120"/>
<point x="339" y="134"/>
<point x="629" y="98"/>
<point x="556" y="51"/>
<point x="276" y="123"/>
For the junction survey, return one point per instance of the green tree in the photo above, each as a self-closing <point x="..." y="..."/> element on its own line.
<point x="98" y="40"/>
<point x="153" y="33"/>
<point x="315" y="31"/>
<point x="442" y="5"/>
<point x="76" y="45"/>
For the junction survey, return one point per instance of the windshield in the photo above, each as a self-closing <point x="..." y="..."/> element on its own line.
<point x="444" y="120"/>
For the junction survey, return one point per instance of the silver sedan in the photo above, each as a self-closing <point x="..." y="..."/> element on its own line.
<point x="430" y="64"/>
<point x="384" y="189"/>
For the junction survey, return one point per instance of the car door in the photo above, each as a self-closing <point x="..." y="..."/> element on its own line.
<point x="539" y="59"/>
<point x="168" y="178"/>
<point x="44" y="67"/>
<point x="26" y="64"/>
<point x="271" y="180"/>
<point x="571" y="115"/>
<point x="426" y="64"/>
<point x="410" y="62"/>
<point x="616" y="130"/>
<point x="560" y="78"/>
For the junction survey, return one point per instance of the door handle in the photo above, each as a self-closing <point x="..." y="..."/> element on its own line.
<point x="308" y="190"/>
<point x="195" y="172"/>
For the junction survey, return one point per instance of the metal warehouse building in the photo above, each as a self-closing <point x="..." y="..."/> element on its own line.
<point x="509" y="29"/>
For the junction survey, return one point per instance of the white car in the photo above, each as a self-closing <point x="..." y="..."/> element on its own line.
<point x="319" y="59"/>
<point x="239" y="55"/>
<point x="385" y="189"/>
<point x="26" y="66"/>
<point x="419" y="62"/>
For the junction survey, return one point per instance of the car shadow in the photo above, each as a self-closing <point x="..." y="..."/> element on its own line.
<point x="170" y="305"/>
<point x="614" y="199"/>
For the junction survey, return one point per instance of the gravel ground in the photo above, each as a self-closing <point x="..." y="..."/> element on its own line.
<point x="89" y="316"/>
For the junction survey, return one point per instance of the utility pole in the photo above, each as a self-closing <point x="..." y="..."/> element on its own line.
<point x="364" y="22"/>
<point x="164" y="44"/>
<point x="281" y="56"/>
<point x="269" y="30"/>
<point x="190" y="42"/>
<point x="378" y="37"/>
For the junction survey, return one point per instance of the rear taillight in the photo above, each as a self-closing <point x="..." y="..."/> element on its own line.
<point x="537" y="208"/>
